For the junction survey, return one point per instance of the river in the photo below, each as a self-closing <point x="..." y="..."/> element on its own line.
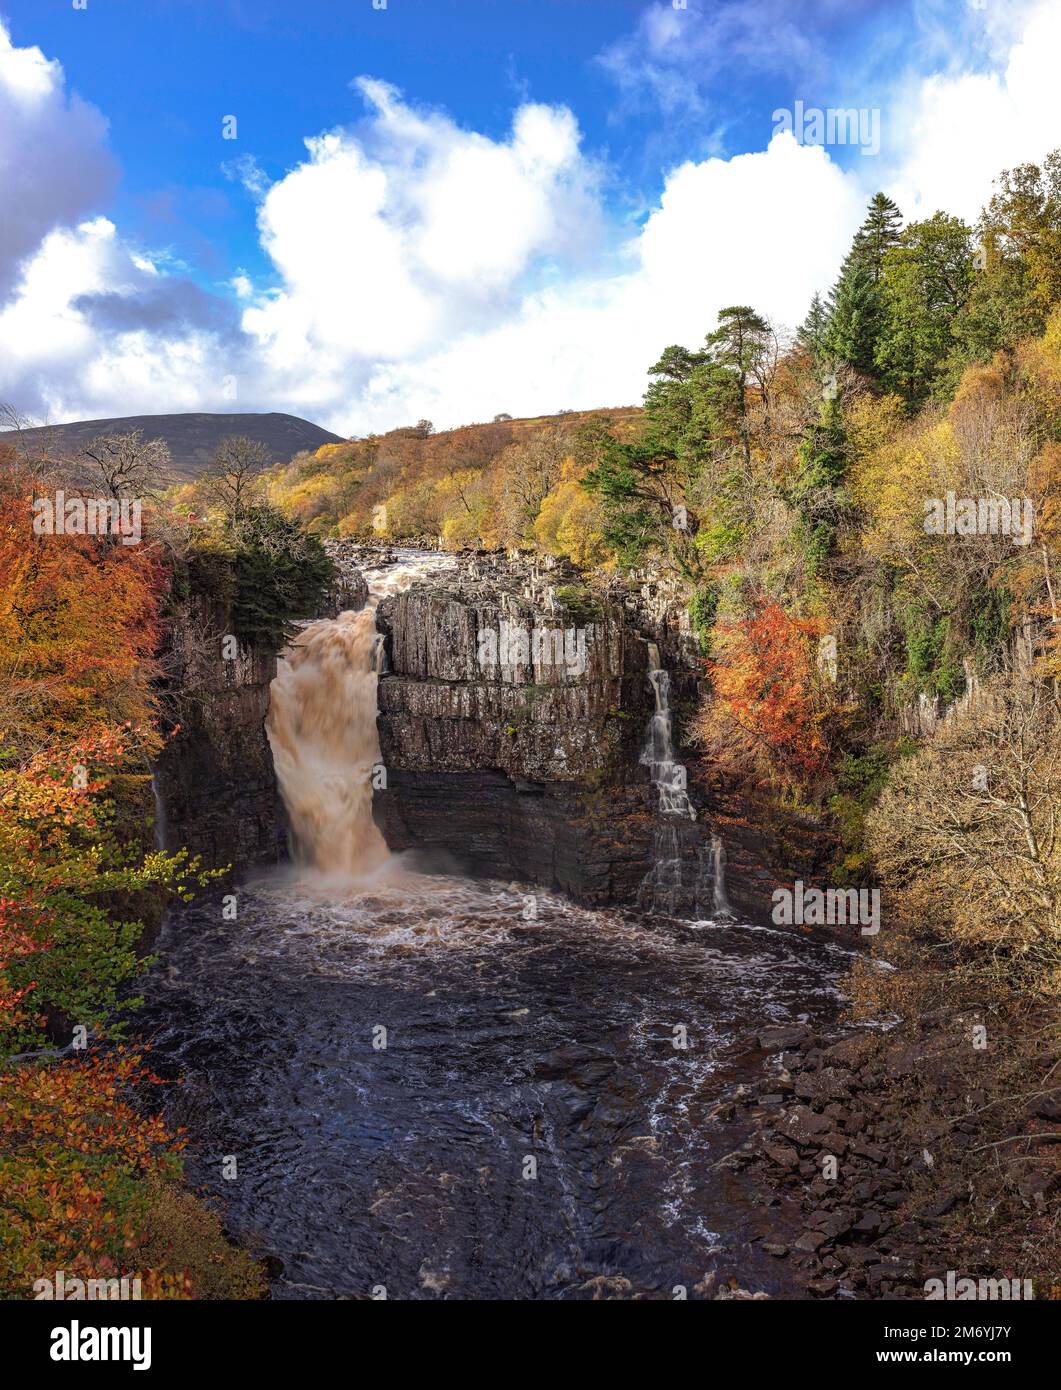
<point x="420" y="1086"/>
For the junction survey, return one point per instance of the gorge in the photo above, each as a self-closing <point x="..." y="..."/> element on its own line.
<point x="496" y="1085"/>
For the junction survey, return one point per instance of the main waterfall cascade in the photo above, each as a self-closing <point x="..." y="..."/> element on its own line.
<point x="322" y="730"/>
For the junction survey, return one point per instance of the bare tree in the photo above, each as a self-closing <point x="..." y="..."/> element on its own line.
<point x="232" y="479"/>
<point x="967" y="834"/>
<point x="127" y="464"/>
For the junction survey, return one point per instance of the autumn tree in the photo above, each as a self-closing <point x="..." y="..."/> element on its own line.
<point x="765" y="714"/>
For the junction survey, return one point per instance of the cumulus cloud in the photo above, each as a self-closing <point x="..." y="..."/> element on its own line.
<point x="54" y="164"/>
<point x="422" y="269"/>
<point x="412" y="229"/>
<point x="95" y="328"/>
<point x="959" y="130"/>
<point x="765" y="229"/>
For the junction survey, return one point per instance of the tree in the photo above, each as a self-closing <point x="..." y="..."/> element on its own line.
<point x="280" y="573"/>
<point x="854" y="302"/>
<point x="966" y="837"/>
<point x="819" y="501"/>
<point x="79" y="625"/>
<point x="1022" y="222"/>
<point x="812" y="331"/>
<point x="745" y="346"/>
<point x="128" y="465"/>
<point x="231" y="481"/>
<point x="925" y="283"/>
<point x="765" y="716"/>
<point x="1018" y="264"/>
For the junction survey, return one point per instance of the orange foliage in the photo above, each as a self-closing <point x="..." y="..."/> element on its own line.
<point x="79" y="624"/>
<point x="71" y="1146"/>
<point x="766" y="715"/>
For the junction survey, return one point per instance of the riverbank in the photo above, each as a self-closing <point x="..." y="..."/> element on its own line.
<point x="924" y="1152"/>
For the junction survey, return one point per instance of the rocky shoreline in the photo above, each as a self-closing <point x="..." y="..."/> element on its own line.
<point x="875" y="1136"/>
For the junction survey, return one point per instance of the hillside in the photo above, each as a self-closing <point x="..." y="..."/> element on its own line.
<point x="193" y="438"/>
<point x="477" y="485"/>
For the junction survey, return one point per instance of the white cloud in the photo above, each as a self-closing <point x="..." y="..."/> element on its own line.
<point x="957" y="132"/>
<point x="421" y="269"/>
<point x="765" y="229"/>
<point x="412" y="230"/>
<point x="54" y="166"/>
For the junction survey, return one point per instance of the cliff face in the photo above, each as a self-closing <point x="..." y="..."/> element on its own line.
<point x="511" y="714"/>
<point x="513" y="709"/>
<point x="215" y="776"/>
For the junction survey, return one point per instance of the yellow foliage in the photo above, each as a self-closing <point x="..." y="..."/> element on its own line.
<point x="872" y="421"/>
<point x="569" y="522"/>
<point x="892" y="482"/>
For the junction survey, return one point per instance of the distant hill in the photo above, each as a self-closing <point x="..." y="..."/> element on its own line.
<point x="193" y="438"/>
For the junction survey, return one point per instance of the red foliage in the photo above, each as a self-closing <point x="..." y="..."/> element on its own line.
<point x="766" y="713"/>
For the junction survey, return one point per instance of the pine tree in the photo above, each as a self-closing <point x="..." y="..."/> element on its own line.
<point x="854" y="302"/>
<point x="811" y="335"/>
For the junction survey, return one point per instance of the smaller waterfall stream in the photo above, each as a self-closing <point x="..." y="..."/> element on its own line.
<point x="668" y="775"/>
<point x="719" y="900"/>
<point x="688" y="875"/>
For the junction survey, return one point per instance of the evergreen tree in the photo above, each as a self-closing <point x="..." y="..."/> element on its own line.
<point x="811" y="335"/>
<point x="854" y="302"/>
<point x="818" y="495"/>
<point x="926" y="282"/>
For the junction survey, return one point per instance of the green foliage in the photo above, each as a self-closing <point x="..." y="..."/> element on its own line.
<point x="817" y="497"/>
<point x="279" y="573"/>
<point x="703" y="609"/>
<point x="925" y="282"/>
<point x="579" y="603"/>
<point x="855" y="306"/>
<point x="989" y="627"/>
<point x="932" y="667"/>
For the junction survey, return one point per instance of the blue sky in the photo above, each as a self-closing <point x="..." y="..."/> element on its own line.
<point x="517" y="210"/>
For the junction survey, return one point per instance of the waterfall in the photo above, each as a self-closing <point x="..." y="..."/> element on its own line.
<point x="719" y="900"/>
<point x="161" y="825"/>
<point x="668" y="776"/>
<point x="322" y="730"/>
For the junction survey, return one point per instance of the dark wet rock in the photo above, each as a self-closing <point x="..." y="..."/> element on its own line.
<point x="829" y="1084"/>
<point x="870" y="1151"/>
<point x="824" y="1288"/>
<point x="802" y="1125"/>
<point x="781" y="1154"/>
<point x="773" y="1038"/>
<point x="852" y="1051"/>
<point x="349" y="593"/>
<point x="215" y="775"/>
